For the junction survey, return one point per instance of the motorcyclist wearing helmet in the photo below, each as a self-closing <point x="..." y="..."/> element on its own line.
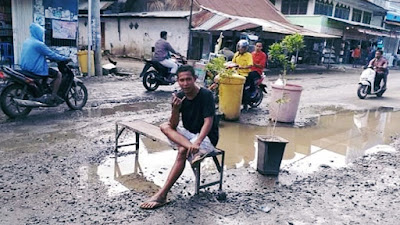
<point x="243" y="59"/>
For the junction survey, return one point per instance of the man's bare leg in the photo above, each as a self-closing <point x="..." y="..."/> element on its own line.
<point x="56" y="84"/>
<point x="174" y="136"/>
<point x="161" y="196"/>
<point x="177" y="168"/>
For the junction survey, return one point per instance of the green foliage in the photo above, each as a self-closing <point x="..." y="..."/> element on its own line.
<point x="217" y="67"/>
<point x="293" y="42"/>
<point x="281" y="51"/>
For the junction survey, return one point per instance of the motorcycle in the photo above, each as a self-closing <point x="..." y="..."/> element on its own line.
<point x="256" y="99"/>
<point x="24" y="91"/>
<point x="368" y="85"/>
<point x="154" y="74"/>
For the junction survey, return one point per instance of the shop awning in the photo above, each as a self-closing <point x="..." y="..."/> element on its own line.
<point x="372" y="32"/>
<point x="212" y="20"/>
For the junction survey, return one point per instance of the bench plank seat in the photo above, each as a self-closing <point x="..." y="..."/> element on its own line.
<point x="153" y="132"/>
<point x="148" y="130"/>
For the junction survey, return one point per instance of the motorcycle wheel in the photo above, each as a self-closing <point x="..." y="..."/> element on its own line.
<point x="150" y="80"/>
<point x="9" y="106"/>
<point x="258" y="99"/>
<point x="362" y="91"/>
<point x="77" y="96"/>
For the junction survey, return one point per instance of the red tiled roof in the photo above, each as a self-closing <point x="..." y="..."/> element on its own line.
<point x="262" y="9"/>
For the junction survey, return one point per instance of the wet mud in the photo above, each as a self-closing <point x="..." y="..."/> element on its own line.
<point x="59" y="167"/>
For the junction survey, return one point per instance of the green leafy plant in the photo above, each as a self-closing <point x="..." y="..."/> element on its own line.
<point x="294" y="43"/>
<point x="216" y="66"/>
<point x="280" y="51"/>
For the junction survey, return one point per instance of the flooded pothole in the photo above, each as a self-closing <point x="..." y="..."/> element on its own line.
<point x="120" y="108"/>
<point x="335" y="141"/>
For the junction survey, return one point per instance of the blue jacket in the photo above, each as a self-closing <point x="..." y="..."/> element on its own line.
<point x="34" y="52"/>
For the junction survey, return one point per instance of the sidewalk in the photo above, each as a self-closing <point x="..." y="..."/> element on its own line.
<point x="318" y="69"/>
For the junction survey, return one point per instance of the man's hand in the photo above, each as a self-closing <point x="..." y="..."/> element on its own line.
<point x="193" y="149"/>
<point x="177" y="102"/>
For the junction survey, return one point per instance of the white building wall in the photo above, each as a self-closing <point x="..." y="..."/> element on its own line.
<point x="311" y="7"/>
<point x="22" y="17"/>
<point x="278" y="5"/>
<point x="138" y="42"/>
<point x="376" y="21"/>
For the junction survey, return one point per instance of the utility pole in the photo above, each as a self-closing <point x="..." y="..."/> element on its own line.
<point x="189" y="49"/>
<point x="97" y="36"/>
<point x="89" y="22"/>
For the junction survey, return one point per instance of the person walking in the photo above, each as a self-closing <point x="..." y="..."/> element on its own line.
<point x="356" y="55"/>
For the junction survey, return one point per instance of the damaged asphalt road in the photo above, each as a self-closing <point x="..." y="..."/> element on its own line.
<point x="49" y="162"/>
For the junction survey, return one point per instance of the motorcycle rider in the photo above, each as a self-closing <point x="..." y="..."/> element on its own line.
<point x="379" y="63"/>
<point x="259" y="61"/>
<point x="33" y="60"/>
<point x="244" y="61"/>
<point x="161" y="54"/>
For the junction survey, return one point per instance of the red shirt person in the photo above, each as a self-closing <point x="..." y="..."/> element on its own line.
<point x="259" y="59"/>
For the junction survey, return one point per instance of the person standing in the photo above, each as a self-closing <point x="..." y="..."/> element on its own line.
<point x="198" y="136"/>
<point x="162" y="51"/>
<point x="356" y="55"/>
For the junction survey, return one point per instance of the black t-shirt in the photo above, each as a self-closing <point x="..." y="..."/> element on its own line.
<point x="194" y="111"/>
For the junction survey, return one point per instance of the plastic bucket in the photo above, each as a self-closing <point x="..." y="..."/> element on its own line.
<point x="284" y="102"/>
<point x="83" y="61"/>
<point x="230" y="96"/>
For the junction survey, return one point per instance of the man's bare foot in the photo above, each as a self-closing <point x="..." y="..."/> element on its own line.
<point x="153" y="203"/>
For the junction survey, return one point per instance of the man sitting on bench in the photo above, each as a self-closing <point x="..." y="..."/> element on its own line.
<point x="199" y="134"/>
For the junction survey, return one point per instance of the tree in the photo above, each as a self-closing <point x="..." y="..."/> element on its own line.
<point x="281" y="51"/>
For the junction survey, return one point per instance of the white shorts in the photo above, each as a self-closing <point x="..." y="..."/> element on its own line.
<point x="205" y="147"/>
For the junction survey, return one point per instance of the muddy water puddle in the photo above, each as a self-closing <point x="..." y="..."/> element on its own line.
<point x="334" y="141"/>
<point x="120" y="108"/>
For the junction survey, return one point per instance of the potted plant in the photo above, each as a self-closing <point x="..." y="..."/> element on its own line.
<point x="283" y="107"/>
<point x="230" y="88"/>
<point x="282" y="92"/>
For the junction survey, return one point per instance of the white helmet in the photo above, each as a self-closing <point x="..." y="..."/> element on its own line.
<point x="242" y="44"/>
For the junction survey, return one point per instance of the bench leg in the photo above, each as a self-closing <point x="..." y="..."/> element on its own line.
<point x="117" y="135"/>
<point x="196" y="171"/>
<point x="221" y="172"/>
<point x="137" y="148"/>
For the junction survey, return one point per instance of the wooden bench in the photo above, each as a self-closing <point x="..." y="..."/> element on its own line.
<point x="153" y="132"/>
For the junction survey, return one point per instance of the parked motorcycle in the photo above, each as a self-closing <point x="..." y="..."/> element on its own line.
<point x="368" y="85"/>
<point x="154" y="74"/>
<point x="23" y="91"/>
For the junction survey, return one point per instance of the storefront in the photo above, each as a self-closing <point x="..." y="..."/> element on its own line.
<point x="6" y="36"/>
<point x="59" y="18"/>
